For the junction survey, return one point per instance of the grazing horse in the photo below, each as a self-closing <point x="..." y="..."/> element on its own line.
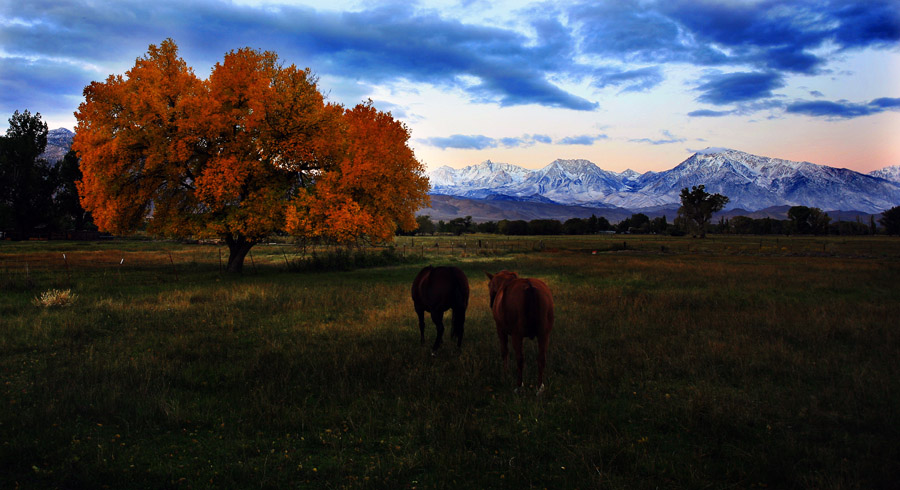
<point x="522" y="308"/>
<point x="436" y="290"/>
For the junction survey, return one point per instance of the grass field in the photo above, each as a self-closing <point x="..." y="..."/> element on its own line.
<point x="675" y="363"/>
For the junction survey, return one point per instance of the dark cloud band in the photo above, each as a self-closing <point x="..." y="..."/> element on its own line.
<point x="729" y="88"/>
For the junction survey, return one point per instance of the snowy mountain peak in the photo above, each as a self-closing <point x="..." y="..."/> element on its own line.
<point x="575" y="163"/>
<point x="712" y="150"/>
<point x="750" y="166"/>
<point x="891" y="173"/>
<point x="59" y="142"/>
<point x="484" y="175"/>
<point x="444" y="175"/>
<point x="571" y="168"/>
<point x="629" y="174"/>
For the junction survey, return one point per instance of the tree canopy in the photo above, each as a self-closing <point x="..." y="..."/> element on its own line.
<point x="890" y="219"/>
<point x="25" y="180"/>
<point x="35" y="194"/>
<point x="252" y="150"/>
<point x="806" y="220"/>
<point x="698" y="206"/>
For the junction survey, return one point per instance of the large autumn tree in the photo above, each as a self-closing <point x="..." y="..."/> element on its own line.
<point x="254" y="149"/>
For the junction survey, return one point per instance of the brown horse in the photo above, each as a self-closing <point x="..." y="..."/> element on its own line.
<point x="436" y="290"/>
<point x="522" y="308"/>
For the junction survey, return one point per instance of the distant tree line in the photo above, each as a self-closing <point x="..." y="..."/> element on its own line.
<point x="459" y="226"/>
<point x="802" y="220"/>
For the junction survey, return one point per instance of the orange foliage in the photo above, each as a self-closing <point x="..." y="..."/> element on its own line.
<point x="376" y="188"/>
<point x="250" y="151"/>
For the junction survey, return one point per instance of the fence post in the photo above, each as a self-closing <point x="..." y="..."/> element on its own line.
<point x="173" y="266"/>
<point x="68" y="275"/>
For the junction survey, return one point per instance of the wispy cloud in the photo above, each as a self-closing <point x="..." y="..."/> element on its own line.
<point x="481" y="142"/>
<point x="463" y="142"/>
<point x="636" y="80"/>
<point x="585" y="139"/>
<point x="667" y="139"/>
<point x="843" y="109"/>
<point x="40" y="84"/>
<point x="709" y="113"/>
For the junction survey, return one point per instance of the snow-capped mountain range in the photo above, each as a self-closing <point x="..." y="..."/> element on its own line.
<point x="751" y="182"/>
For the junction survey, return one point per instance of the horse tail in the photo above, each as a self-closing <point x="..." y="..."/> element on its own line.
<point x="532" y="312"/>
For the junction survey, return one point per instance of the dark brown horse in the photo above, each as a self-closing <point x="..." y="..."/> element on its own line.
<point x="523" y="308"/>
<point x="436" y="290"/>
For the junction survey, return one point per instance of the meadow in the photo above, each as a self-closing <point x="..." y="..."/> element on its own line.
<point x="730" y="362"/>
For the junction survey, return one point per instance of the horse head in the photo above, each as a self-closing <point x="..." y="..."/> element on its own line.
<point x="497" y="281"/>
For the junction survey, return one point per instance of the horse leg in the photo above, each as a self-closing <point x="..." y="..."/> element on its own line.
<point x="543" y="341"/>
<point x="438" y="318"/>
<point x="520" y="358"/>
<point x="459" y="322"/>
<point x="421" y="314"/>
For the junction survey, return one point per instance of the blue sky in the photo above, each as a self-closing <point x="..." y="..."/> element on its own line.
<point x="626" y="84"/>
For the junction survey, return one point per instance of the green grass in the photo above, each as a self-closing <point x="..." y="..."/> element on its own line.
<point x="674" y="363"/>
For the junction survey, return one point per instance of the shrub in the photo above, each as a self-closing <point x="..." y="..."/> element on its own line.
<point x="344" y="259"/>
<point x="55" y="297"/>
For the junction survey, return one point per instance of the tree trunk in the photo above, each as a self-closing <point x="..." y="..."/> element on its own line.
<point x="238" y="246"/>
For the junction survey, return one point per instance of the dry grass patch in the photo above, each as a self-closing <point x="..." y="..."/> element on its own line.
<point x="55" y="298"/>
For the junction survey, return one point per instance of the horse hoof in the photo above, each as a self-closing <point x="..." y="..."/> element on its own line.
<point x="541" y="390"/>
